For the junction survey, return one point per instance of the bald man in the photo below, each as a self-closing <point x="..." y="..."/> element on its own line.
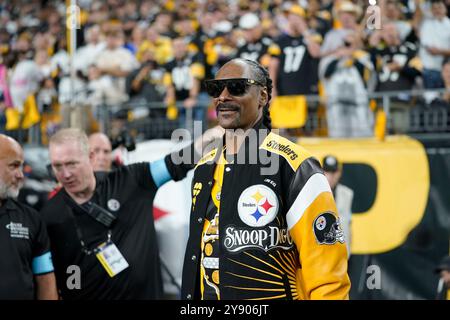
<point x="26" y="269"/>
<point x="100" y="146"/>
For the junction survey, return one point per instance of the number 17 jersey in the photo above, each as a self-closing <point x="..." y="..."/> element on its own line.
<point x="298" y="70"/>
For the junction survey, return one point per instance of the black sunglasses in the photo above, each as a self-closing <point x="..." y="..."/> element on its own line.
<point x="236" y="86"/>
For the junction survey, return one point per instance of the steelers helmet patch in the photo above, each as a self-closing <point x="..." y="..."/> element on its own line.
<point x="327" y="229"/>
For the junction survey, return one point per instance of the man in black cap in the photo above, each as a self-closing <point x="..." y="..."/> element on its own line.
<point x="444" y="282"/>
<point x="343" y="195"/>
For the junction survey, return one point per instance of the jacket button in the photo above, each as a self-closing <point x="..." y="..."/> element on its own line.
<point x="210" y="183"/>
<point x="227" y="169"/>
<point x="189" y="297"/>
<point x="200" y="220"/>
<point x="194" y="257"/>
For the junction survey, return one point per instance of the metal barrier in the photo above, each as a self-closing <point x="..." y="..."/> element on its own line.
<point x="151" y="120"/>
<point x="403" y="116"/>
<point x="421" y="116"/>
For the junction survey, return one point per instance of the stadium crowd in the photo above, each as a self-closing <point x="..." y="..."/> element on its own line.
<point x="150" y="59"/>
<point x="160" y="51"/>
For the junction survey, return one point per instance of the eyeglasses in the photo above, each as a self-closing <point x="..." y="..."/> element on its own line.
<point x="236" y="86"/>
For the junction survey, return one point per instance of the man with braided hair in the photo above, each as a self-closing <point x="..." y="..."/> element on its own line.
<point x="256" y="234"/>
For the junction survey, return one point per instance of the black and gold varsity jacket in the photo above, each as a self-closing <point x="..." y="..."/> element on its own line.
<point x="280" y="235"/>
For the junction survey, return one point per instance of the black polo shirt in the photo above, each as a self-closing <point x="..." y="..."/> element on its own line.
<point x="24" y="250"/>
<point x="127" y="193"/>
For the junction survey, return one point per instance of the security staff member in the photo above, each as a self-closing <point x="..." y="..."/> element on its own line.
<point x="103" y="224"/>
<point x="256" y="235"/>
<point x="26" y="269"/>
<point x="343" y="195"/>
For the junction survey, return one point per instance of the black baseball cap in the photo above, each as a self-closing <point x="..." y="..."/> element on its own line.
<point x="330" y="163"/>
<point x="444" y="264"/>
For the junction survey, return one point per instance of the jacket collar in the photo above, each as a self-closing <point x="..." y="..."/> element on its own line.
<point x="7" y="205"/>
<point x="248" y="145"/>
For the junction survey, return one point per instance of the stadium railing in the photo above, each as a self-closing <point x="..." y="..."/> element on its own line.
<point x="407" y="112"/>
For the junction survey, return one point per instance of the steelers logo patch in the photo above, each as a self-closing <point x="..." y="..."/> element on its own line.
<point x="321" y="223"/>
<point x="258" y="205"/>
<point x="327" y="229"/>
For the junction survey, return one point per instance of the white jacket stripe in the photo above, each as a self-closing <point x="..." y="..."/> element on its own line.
<point x="315" y="185"/>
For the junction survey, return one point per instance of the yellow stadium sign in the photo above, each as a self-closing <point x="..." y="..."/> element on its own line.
<point x="403" y="183"/>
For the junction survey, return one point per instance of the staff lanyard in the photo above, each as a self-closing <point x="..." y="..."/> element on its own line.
<point x="96" y="212"/>
<point x="84" y="248"/>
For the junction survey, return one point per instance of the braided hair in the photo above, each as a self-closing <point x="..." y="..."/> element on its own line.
<point x="261" y="75"/>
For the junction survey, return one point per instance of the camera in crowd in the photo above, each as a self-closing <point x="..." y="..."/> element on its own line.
<point x="124" y="139"/>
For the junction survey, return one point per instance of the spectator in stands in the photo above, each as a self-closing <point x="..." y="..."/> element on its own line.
<point x="434" y="36"/>
<point x="147" y="10"/>
<point x="347" y="15"/>
<point x="25" y="79"/>
<point x="393" y="13"/>
<point x="43" y="62"/>
<point x="136" y="38"/>
<point x="293" y="66"/>
<point x="256" y="45"/>
<point x="97" y="87"/>
<point x="115" y="63"/>
<point x="130" y="15"/>
<point x="43" y="42"/>
<point x="443" y="101"/>
<point x="5" y="97"/>
<point x="23" y="43"/>
<point x="395" y="60"/>
<point x="101" y="150"/>
<point x="319" y="20"/>
<point x="269" y="25"/>
<point x="251" y="6"/>
<point x="163" y="24"/>
<point x="60" y="59"/>
<point x="343" y="195"/>
<point x="294" y="69"/>
<point x="347" y="75"/>
<point x="185" y="10"/>
<point x="161" y="45"/>
<point x="47" y="95"/>
<point x="86" y="55"/>
<point x="98" y="13"/>
<point x="183" y="78"/>
<point x="56" y="24"/>
<point x="144" y="82"/>
<point x="397" y="67"/>
<point x="186" y="27"/>
<point x="219" y="47"/>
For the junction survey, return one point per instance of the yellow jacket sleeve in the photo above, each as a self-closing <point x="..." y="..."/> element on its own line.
<point x="317" y="233"/>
